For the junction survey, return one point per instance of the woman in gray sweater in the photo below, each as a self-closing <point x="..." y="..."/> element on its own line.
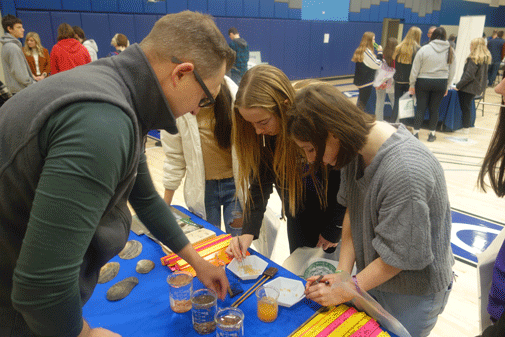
<point x="430" y="78"/>
<point x="397" y="227"/>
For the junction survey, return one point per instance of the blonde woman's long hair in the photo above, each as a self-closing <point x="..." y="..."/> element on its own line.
<point x="266" y="87"/>
<point x="404" y="51"/>
<point x="479" y="52"/>
<point x="27" y="50"/>
<point x="366" y="42"/>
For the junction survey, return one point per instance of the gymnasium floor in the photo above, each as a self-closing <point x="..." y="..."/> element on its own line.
<point x="461" y="156"/>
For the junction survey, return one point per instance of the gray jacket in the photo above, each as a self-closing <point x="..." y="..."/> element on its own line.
<point x="431" y="62"/>
<point x="16" y="69"/>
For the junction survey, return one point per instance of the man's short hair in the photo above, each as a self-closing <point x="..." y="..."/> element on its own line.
<point x="191" y="37"/>
<point x="79" y="32"/>
<point x="233" y="31"/>
<point x="121" y="40"/>
<point x="9" y="21"/>
<point x="65" y="31"/>
<point x="500" y="34"/>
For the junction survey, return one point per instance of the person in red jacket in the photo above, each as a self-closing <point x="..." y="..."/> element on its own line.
<point x="68" y="53"/>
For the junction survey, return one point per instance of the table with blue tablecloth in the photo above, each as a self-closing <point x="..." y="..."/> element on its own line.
<point x="146" y="310"/>
<point x="450" y="115"/>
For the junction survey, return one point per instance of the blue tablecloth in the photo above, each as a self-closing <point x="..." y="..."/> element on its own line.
<point x="449" y="112"/>
<point x="146" y="311"/>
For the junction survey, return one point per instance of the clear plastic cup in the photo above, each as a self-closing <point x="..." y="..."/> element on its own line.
<point x="229" y="322"/>
<point x="204" y="302"/>
<point x="180" y="286"/>
<point x="268" y="307"/>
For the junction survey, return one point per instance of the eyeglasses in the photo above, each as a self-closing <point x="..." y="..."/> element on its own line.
<point x="206" y="101"/>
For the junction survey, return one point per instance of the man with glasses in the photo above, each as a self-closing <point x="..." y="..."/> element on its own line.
<point x="72" y="155"/>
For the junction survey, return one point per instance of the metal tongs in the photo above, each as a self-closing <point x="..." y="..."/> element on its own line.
<point x="267" y="274"/>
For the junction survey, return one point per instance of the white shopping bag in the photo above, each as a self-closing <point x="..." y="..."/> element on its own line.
<point x="406" y="106"/>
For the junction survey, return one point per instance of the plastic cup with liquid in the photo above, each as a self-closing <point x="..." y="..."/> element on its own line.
<point x="229" y="322"/>
<point x="204" y="302"/>
<point x="268" y="307"/>
<point x="181" y="287"/>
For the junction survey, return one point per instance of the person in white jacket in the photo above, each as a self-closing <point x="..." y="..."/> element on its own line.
<point x="430" y="78"/>
<point x="90" y="44"/>
<point x="202" y="152"/>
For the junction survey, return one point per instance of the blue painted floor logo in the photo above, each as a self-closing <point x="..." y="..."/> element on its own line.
<point x="470" y="236"/>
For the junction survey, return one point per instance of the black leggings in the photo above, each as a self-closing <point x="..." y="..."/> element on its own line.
<point x="465" y="102"/>
<point x="400" y="89"/>
<point x="364" y="96"/>
<point x="429" y="93"/>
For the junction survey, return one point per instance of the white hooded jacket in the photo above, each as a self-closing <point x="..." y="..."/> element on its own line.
<point x="92" y="49"/>
<point x="183" y="157"/>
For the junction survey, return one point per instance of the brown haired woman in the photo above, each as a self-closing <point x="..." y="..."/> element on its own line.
<point x="366" y="65"/>
<point x="68" y="53"/>
<point x="37" y="56"/>
<point x="397" y="227"/>
<point x="384" y="83"/>
<point x="268" y="157"/>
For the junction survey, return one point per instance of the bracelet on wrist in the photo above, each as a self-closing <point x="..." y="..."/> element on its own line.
<point x="355" y="280"/>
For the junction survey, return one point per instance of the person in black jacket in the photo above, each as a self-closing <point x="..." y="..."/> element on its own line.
<point x="366" y="65"/>
<point x="473" y="80"/>
<point x="267" y="157"/>
<point x="403" y="56"/>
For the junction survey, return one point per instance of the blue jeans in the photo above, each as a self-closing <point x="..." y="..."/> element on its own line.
<point x="418" y="314"/>
<point x="222" y="193"/>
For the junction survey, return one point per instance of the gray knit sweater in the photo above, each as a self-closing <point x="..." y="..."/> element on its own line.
<point x="399" y="211"/>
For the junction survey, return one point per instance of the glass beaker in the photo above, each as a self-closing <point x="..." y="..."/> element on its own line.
<point x="267" y="303"/>
<point x="229" y="322"/>
<point x="180" y="286"/>
<point x="204" y="302"/>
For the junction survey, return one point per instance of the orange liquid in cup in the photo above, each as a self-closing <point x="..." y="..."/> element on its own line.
<point x="267" y="309"/>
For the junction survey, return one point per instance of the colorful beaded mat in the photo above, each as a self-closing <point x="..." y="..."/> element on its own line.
<point x="341" y="321"/>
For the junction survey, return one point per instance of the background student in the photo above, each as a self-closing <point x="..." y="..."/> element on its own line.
<point x="37" y="56"/>
<point x="202" y="151"/>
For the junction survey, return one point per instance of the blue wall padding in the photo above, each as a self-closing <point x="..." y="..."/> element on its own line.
<point x="108" y="6"/>
<point x="8" y="7"/>
<point x="400" y="11"/>
<point x="295" y="13"/>
<point x="217" y="7"/>
<point x="75" y="5"/>
<point x="277" y="43"/>
<point x="374" y="13"/>
<point x="197" y="5"/>
<point x="38" y="4"/>
<point x="316" y="48"/>
<point x="96" y="27"/>
<point x="155" y="7"/>
<point x="234" y="8"/>
<point x="383" y="11"/>
<point x="392" y="5"/>
<point x="252" y="8"/>
<point x="131" y="6"/>
<point x="57" y="18"/>
<point x="38" y="22"/>
<point x="176" y="6"/>
<point x="281" y="10"/>
<point x="266" y="8"/>
<point x="302" y="51"/>
<point x="143" y="25"/>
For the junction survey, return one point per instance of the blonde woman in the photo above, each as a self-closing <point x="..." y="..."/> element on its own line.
<point x="404" y="54"/>
<point x="37" y="56"/>
<point x="267" y="157"/>
<point x="473" y="80"/>
<point x="120" y="42"/>
<point x="366" y="65"/>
